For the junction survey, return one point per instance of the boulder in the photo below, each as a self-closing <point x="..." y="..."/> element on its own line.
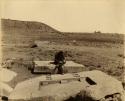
<point x="6" y="75"/>
<point x="91" y="85"/>
<point x="5" y="89"/>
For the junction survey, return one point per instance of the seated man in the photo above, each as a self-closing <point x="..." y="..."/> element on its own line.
<point x="59" y="61"/>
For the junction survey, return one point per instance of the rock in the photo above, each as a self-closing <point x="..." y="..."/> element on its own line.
<point x="76" y="87"/>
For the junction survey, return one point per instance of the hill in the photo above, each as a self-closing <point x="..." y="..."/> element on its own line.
<point x="31" y="30"/>
<point x="27" y="25"/>
<point x="101" y="51"/>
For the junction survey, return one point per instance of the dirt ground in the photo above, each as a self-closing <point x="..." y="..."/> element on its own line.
<point x="99" y="51"/>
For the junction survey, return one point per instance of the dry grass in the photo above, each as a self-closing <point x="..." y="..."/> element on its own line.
<point x="104" y="52"/>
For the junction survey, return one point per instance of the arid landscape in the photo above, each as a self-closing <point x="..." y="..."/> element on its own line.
<point x="97" y="50"/>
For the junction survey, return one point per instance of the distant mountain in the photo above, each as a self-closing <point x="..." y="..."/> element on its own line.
<point x="28" y="25"/>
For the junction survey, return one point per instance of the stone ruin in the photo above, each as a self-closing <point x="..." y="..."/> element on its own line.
<point x="80" y="86"/>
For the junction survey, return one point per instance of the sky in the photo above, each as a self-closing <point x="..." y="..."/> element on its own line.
<point x="69" y="15"/>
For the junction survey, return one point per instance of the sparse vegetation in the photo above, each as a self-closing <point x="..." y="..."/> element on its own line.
<point x="94" y="50"/>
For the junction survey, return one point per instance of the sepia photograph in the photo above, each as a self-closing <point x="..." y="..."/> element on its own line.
<point x="62" y="50"/>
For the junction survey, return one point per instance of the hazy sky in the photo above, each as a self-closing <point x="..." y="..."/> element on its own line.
<point x="70" y="15"/>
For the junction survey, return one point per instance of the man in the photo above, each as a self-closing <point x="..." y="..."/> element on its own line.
<point x="59" y="61"/>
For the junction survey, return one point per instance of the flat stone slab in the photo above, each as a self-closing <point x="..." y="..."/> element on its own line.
<point x="48" y="66"/>
<point x="31" y="89"/>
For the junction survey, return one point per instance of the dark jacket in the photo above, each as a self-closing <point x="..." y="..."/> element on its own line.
<point x="59" y="57"/>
